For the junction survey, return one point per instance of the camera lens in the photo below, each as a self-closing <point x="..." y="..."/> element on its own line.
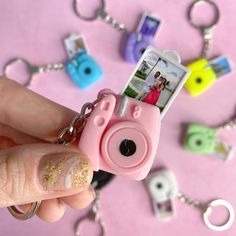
<point x="159" y="185"/>
<point x="87" y="70"/>
<point x="199" y="142"/>
<point x="199" y="80"/>
<point x="127" y="147"/>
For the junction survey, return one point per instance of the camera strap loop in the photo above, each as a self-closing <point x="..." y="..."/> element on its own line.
<point x="207" y="209"/>
<point x="31" y="70"/>
<point x="206" y="29"/>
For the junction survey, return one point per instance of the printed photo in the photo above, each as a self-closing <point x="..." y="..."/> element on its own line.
<point x="149" y="25"/>
<point x="157" y="80"/>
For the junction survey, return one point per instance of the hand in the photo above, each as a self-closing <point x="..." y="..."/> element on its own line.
<point x="31" y="167"/>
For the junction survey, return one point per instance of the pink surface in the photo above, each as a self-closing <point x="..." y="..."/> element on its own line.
<point x="35" y="29"/>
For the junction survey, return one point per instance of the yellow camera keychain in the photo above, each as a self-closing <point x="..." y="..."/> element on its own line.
<point x="205" y="72"/>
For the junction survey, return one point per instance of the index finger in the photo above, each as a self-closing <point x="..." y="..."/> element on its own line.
<point x="31" y="113"/>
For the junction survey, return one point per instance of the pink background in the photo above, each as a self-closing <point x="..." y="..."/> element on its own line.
<point x="35" y="29"/>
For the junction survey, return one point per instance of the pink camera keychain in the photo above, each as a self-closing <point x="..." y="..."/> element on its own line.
<point x="163" y="189"/>
<point x="120" y="133"/>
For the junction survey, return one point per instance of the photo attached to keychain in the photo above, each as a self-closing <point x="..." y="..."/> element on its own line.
<point x="223" y="151"/>
<point x="73" y="44"/>
<point x="221" y="66"/>
<point x="149" y="25"/>
<point x="156" y="80"/>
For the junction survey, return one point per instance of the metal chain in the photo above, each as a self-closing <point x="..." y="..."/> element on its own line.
<point x="51" y="67"/>
<point x="189" y="201"/>
<point x="70" y="133"/>
<point x="229" y="125"/>
<point x="96" y="210"/>
<point x="94" y="215"/>
<point x="207" y="37"/>
<point x="111" y="20"/>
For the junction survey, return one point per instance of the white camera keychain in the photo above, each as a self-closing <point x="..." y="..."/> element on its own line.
<point x="163" y="189"/>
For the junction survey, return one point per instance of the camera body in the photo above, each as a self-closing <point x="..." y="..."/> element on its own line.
<point x="136" y="45"/>
<point x="201" y="78"/>
<point x="200" y="139"/>
<point x="121" y="136"/>
<point x="83" y="70"/>
<point x="163" y="188"/>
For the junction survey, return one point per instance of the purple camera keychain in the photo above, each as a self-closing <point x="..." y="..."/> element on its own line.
<point x="138" y="41"/>
<point x="143" y="37"/>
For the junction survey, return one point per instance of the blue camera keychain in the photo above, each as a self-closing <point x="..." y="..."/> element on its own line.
<point x="204" y="71"/>
<point x="81" y="67"/>
<point x="202" y="139"/>
<point x="138" y="41"/>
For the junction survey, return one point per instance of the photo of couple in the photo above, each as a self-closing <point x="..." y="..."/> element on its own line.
<point x="156" y="80"/>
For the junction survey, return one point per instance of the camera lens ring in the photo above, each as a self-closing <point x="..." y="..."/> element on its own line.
<point x="110" y="147"/>
<point x="196" y="142"/>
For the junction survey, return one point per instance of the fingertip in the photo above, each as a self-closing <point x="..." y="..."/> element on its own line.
<point x="80" y="200"/>
<point x="51" y="210"/>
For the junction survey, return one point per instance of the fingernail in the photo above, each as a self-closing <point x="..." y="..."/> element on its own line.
<point x="63" y="171"/>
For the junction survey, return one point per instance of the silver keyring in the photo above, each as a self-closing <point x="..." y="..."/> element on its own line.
<point x="25" y="215"/>
<point x="87" y="18"/>
<point x="207" y="213"/>
<point x="8" y="65"/>
<point x="199" y="26"/>
<point x="87" y="218"/>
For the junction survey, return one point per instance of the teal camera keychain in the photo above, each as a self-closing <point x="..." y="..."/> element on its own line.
<point x="202" y="139"/>
<point x="81" y="67"/>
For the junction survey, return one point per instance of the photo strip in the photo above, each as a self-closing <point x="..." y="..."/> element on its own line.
<point x="157" y="79"/>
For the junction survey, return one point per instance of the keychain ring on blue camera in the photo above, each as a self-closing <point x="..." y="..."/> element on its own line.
<point x="207" y="213"/>
<point x="88" y="18"/>
<point x="28" y="66"/>
<point x="200" y="26"/>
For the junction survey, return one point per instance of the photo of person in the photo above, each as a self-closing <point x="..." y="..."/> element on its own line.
<point x="155" y="89"/>
<point x="156" y="80"/>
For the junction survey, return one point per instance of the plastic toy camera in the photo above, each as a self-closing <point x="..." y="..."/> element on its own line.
<point x="136" y="45"/>
<point x="83" y="70"/>
<point x="163" y="189"/>
<point x="201" y="78"/>
<point x="200" y="139"/>
<point x="121" y="136"/>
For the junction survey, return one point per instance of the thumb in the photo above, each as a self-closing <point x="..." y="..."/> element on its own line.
<point x="36" y="172"/>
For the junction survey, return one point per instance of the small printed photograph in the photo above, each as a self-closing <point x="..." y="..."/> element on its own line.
<point x="149" y="25"/>
<point x="221" y="66"/>
<point x="73" y="44"/>
<point x="223" y="151"/>
<point x="156" y="80"/>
